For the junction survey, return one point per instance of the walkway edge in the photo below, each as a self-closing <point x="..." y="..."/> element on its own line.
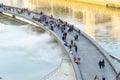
<point x="75" y="66"/>
<point x="102" y="51"/>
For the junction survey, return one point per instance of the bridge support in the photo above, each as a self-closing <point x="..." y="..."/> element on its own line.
<point x="13" y="16"/>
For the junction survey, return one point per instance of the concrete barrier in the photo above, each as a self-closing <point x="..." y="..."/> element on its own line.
<point x="114" y="57"/>
<point x="102" y="51"/>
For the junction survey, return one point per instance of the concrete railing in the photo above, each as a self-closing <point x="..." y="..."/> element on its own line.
<point x="56" y="70"/>
<point x="102" y="51"/>
<point x="75" y="66"/>
<point x="114" y="57"/>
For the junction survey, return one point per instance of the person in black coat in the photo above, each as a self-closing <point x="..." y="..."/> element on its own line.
<point x="103" y="78"/>
<point x="100" y="64"/>
<point x="103" y="63"/>
<point x="75" y="47"/>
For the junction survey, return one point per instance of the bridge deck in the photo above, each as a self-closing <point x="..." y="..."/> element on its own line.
<point x="90" y="56"/>
<point x="87" y="52"/>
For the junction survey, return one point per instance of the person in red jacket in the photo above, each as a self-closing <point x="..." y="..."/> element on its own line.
<point x="75" y="59"/>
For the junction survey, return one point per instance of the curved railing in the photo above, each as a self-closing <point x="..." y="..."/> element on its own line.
<point x="55" y="70"/>
<point x="15" y="12"/>
<point x="114" y="57"/>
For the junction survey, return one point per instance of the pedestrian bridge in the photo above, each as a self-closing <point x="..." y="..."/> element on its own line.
<point x="89" y="52"/>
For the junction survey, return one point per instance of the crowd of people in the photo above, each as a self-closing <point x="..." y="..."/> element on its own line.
<point x="52" y="23"/>
<point x="64" y="29"/>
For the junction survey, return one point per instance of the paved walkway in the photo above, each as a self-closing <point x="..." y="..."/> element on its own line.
<point x="90" y="57"/>
<point x="88" y="53"/>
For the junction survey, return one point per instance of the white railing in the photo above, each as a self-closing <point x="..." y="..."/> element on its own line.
<point x="56" y="70"/>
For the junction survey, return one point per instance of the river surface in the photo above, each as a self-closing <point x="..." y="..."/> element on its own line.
<point x="26" y="51"/>
<point x="99" y="22"/>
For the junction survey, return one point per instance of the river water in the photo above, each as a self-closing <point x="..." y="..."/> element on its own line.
<point x="26" y="51"/>
<point x="99" y="22"/>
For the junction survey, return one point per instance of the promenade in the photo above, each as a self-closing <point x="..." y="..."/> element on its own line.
<point x="89" y="55"/>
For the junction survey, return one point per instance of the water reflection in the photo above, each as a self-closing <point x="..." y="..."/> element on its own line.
<point x="99" y="22"/>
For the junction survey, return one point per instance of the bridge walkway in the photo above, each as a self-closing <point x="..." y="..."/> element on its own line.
<point x="89" y="58"/>
<point x="89" y="55"/>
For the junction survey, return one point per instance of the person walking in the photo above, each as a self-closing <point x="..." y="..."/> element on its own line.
<point x="76" y="37"/>
<point x="51" y="27"/>
<point x="96" y="77"/>
<point x="79" y="32"/>
<point x="75" y="47"/>
<point x="70" y="47"/>
<point x="103" y="78"/>
<point x="64" y="36"/>
<point x="66" y="44"/>
<point x="75" y="59"/>
<point x="72" y="42"/>
<point x="103" y="63"/>
<point x="100" y="64"/>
